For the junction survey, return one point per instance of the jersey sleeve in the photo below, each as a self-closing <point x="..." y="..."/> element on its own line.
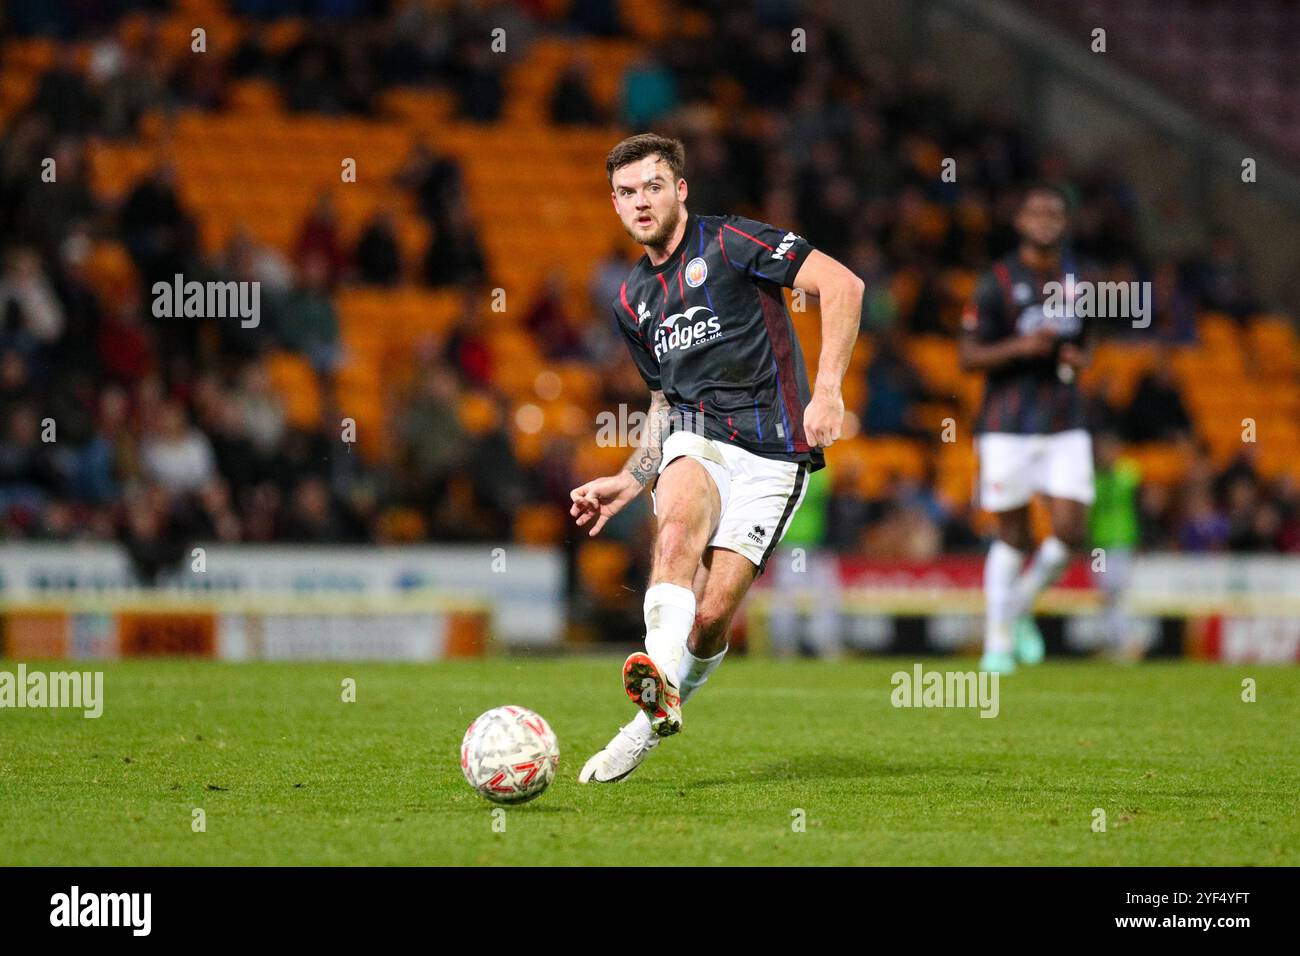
<point x="762" y="251"/>
<point x="642" y="355"/>
<point x="983" y="316"/>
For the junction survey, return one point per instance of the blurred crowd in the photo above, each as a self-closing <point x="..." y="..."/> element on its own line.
<point x="167" y="433"/>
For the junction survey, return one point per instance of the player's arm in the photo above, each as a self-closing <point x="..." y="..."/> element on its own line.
<point x="643" y="464"/>
<point x="603" y="498"/>
<point x="980" y="348"/>
<point x="840" y="292"/>
<point x="976" y="356"/>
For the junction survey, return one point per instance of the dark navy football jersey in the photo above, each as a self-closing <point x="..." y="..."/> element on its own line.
<point x="1026" y="396"/>
<point x="710" y="329"/>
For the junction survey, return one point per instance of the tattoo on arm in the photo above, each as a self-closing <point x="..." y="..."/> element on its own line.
<point x="644" y="462"/>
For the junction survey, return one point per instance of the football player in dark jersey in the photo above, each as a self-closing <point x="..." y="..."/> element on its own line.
<point x="733" y="427"/>
<point x="1030" y="434"/>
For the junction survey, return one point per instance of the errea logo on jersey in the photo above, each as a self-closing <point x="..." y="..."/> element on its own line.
<point x="789" y="240"/>
<point x="682" y="330"/>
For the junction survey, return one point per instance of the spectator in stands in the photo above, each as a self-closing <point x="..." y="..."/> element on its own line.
<point x="1104" y="412"/>
<point x="848" y="512"/>
<point x="1241" y="467"/>
<point x="454" y="256"/>
<point x="1156" y="412"/>
<point x="571" y="102"/>
<point x="65" y="203"/>
<point x="467" y="347"/>
<point x="209" y="514"/>
<point x="596" y="17"/>
<point x="319" y="237"/>
<point x="1203" y="528"/>
<point x="1175" y="309"/>
<point x="549" y="322"/>
<point x="126" y="347"/>
<point x="433" y="442"/>
<point x="177" y="456"/>
<point x="248" y="260"/>
<point x="28" y="304"/>
<point x="112" y="457"/>
<point x="28" y="475"/>
<point x="126" y="83"/>
<point x="15" y="384"/>
<point x="76" y="351"/>
<point x="314" y="517"/>
<point x="649" y="92"/>
<point x="63" y="97"/>
<point x="475" y="76"/>
<point x="1286" y="494"/>
<point x="157" y="231"/>
<point x="378" y="258"/>
<point x="149" y="536"/>
<point x="1243" y="504"/>
<point x="238" y="460"/>
<point x="893" y="389"/>
<point x="1224" y="280"/>
<point x="434" y="179"/>
<point x="308" y="323"/>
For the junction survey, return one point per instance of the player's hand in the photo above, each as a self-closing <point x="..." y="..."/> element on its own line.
<point x="601" y="499"/>
<point x="1072" y="356"/>
<point x="1037" y="344"/>
<point x="823" y="418"/>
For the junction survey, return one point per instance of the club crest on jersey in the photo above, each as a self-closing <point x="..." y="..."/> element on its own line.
<point x="685" y="329"/>
<point x="697" y="270"/>
<point x="1035" y="317"/>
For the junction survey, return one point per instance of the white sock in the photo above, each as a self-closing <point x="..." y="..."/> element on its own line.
<point x="694" y="671"/>
<point x="1048" y="563"/>
<point x="669" y="617"/>
<point x="640" y="725"/>
<point x="1000" y="570"/>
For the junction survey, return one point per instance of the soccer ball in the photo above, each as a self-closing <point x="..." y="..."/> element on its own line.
<point x="509" y="755"/>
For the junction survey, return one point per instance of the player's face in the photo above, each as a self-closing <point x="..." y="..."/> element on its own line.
<point x="648" y="200"/>
<point x="1042" y="220"/>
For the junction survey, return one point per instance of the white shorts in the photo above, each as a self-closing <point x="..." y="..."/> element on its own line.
<point x="1013" y="468"/>
<point x="759" y="495"/>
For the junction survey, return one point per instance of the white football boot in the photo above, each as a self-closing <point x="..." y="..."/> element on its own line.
<point x="654" y="690"/>
<point x="621" y="755"/>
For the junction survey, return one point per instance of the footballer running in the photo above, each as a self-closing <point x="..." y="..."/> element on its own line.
<point x="1030" y="434"/>
<point x="733" y="428"/>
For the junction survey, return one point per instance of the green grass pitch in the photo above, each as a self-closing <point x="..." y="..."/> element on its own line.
<point x="287" y="773"/>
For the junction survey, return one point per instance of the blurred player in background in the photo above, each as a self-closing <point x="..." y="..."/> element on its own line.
<point x="804" y="606"/>
<point x="733" y="428"/>
<point x="1030" y="433"/>
<point x="1115" y="528"/>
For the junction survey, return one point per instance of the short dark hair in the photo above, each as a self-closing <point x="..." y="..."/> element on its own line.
<point x="638" y="147"/>
<point x="1042" y="187"/>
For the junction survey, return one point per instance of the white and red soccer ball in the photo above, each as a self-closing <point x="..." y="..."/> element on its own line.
<point x="509" y="754"/>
